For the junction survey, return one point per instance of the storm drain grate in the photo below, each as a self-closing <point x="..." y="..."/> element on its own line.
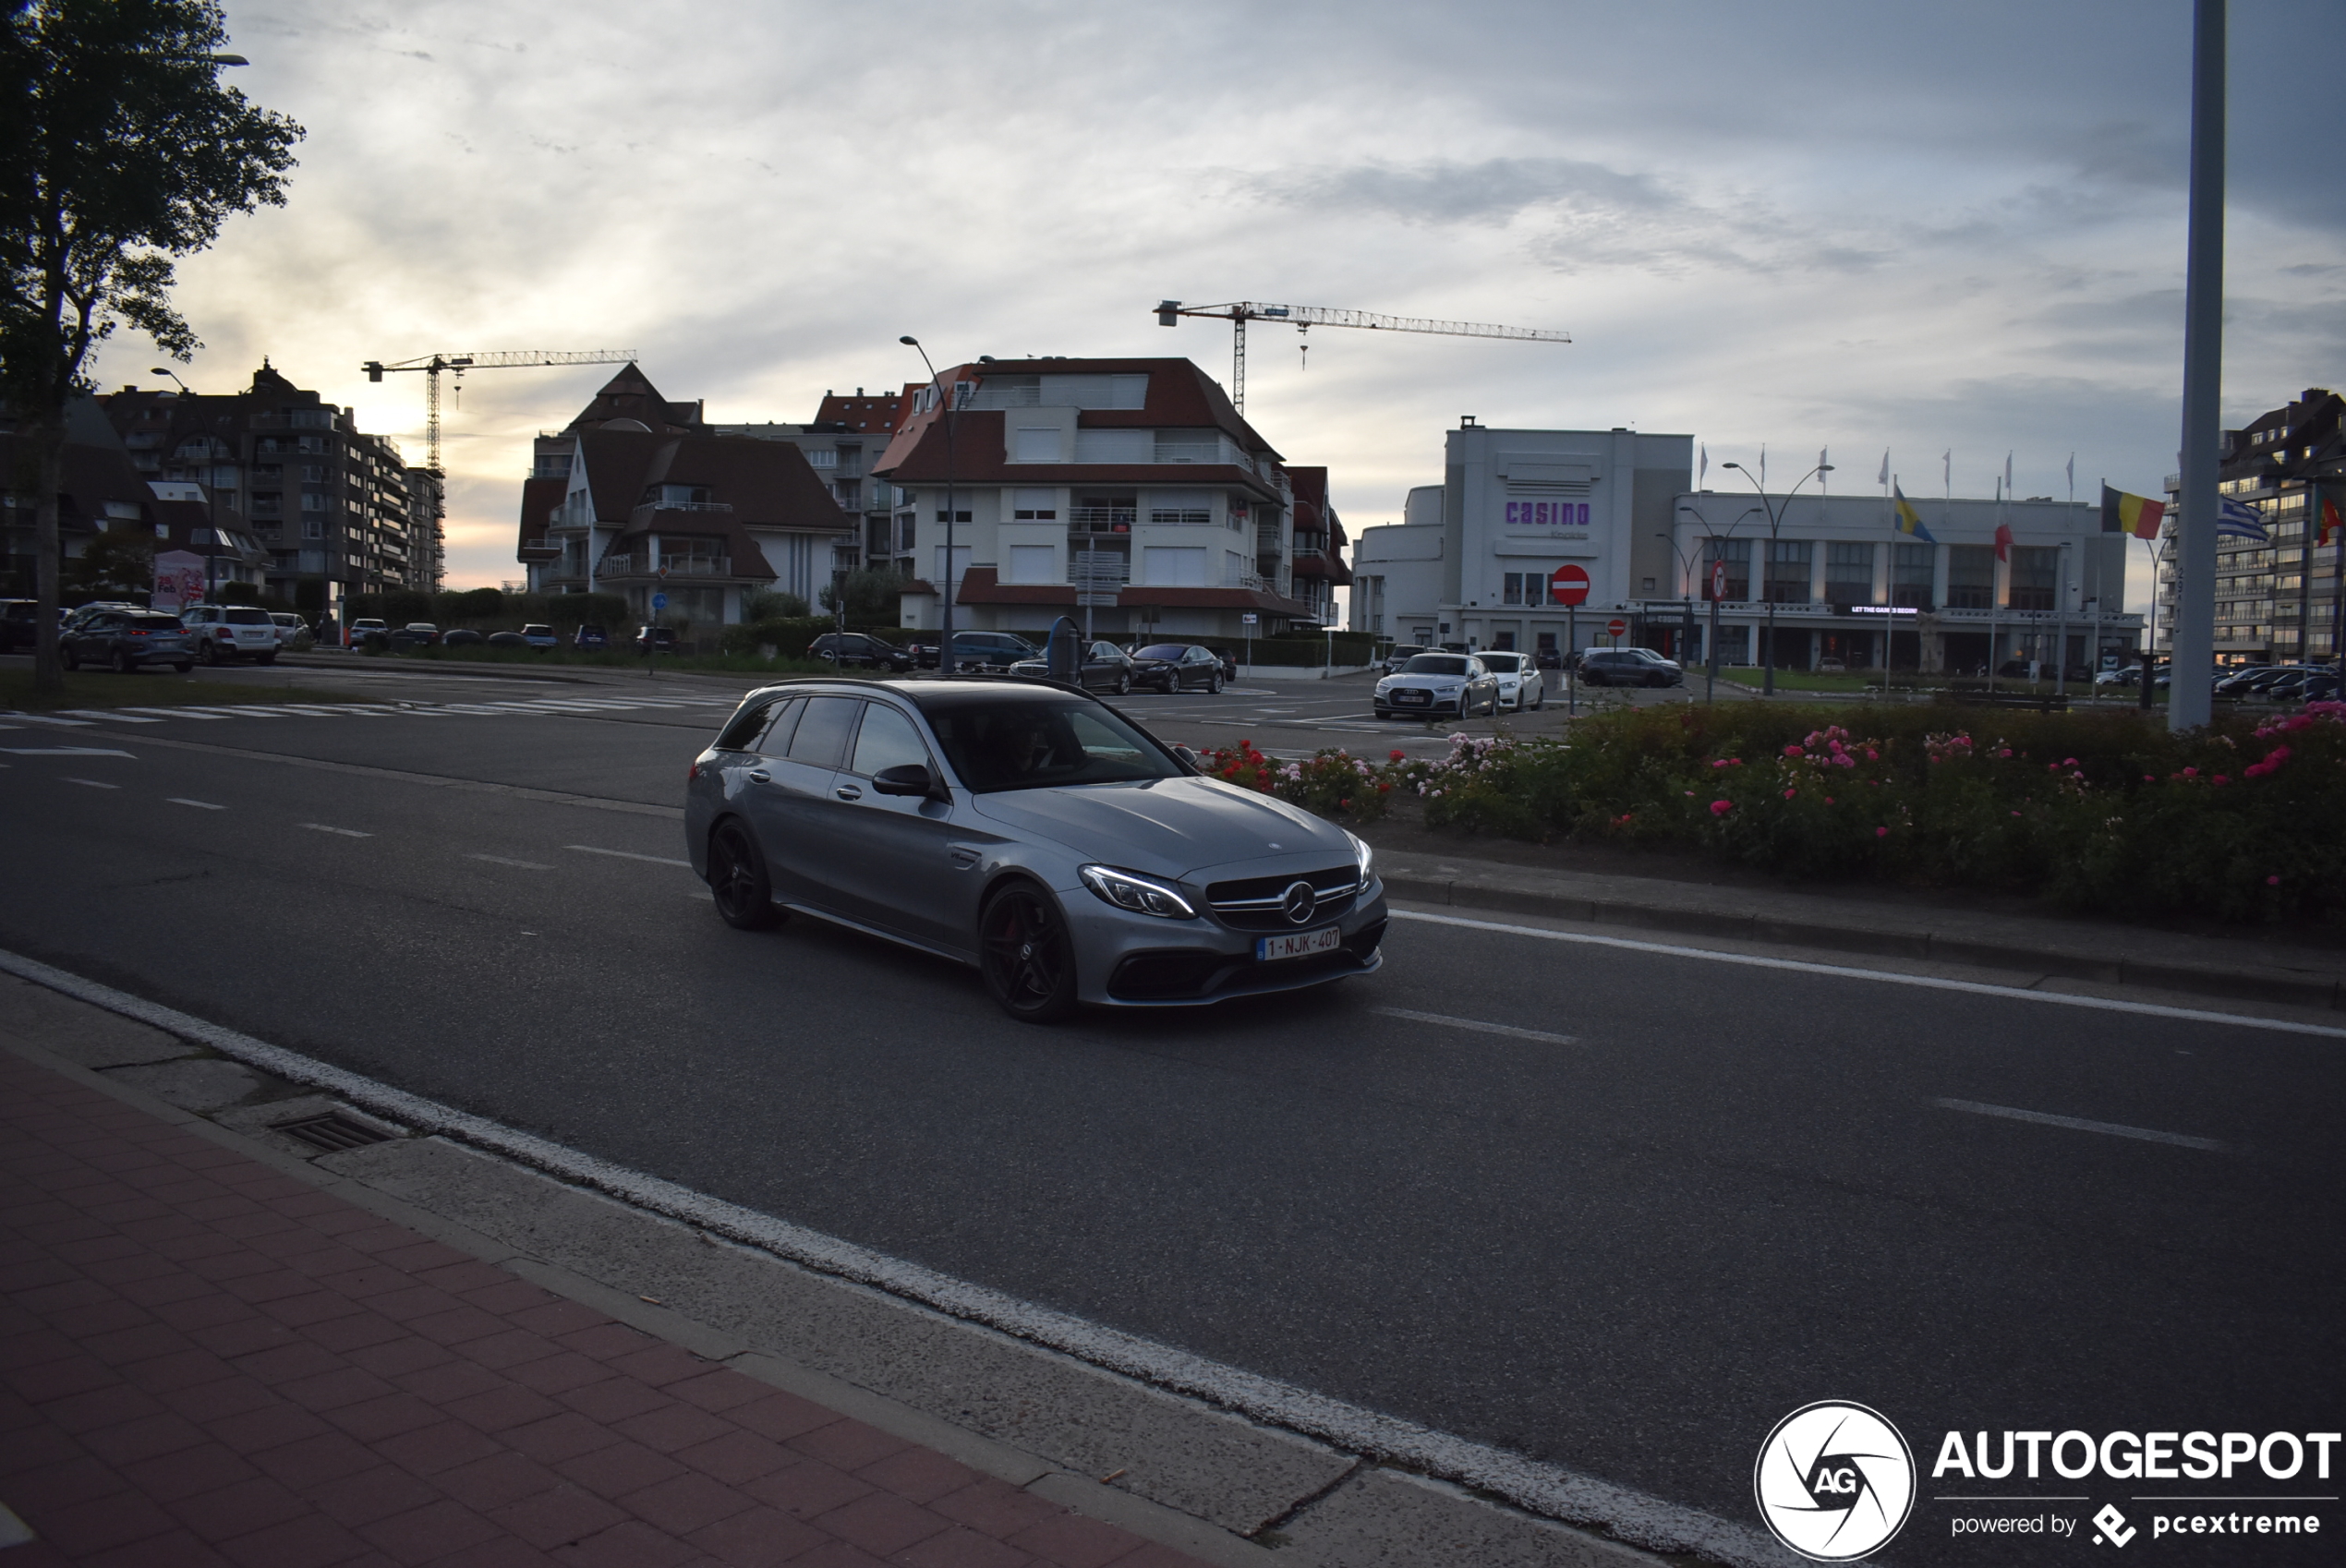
<point x="332" y="1132"/>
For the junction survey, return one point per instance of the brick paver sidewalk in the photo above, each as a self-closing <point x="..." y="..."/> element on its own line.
<point x="204" y="1360"/>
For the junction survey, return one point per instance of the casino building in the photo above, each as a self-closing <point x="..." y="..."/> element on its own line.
<point x="1472" y="563"/>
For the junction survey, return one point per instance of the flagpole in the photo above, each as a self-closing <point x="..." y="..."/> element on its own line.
<point x="1992" y="605"/>
<point x="1890" y="578"/>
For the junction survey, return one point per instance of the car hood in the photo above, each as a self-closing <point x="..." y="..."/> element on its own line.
<point x="1167" y="828"/>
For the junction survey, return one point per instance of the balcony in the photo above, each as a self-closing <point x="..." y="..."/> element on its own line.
<point x="669" y="565"/>
<point x="644" y="509"/>
<point x="1101" y="519"/>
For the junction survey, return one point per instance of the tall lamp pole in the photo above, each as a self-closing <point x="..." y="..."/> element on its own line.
<point x="211" y="494"/>
<point x="1775" y="523"/>
<point x="945" y="637"/>
<point x="1711" y="659"/>
<point x="2191" y="636"/>
<point x="1685" y="599"/>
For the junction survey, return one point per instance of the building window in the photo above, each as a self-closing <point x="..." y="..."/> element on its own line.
<point x="1173" y="566"/>
<point x="1910" y="576"/>
<point x="1034" y="506"/>
<point x="1788" y="571"/>
<point x="1511" y="590"/>
<point x="823" y="456"/>
<point x="2035" y="576"/>
<point x="1849" y="573"/>
<point x="313" y="503"/>
<point x="1971" y="576"/>
<point x="1034" y="563"/>
<point x="1037" y="445"/>
<point x="313" y="528"/>
<point x="309" y="418"/>
<point x="958" y="516"/>
<point x="1736" y="554"/>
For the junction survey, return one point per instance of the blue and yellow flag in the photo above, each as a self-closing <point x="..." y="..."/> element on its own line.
<point x="1909" y="520"/>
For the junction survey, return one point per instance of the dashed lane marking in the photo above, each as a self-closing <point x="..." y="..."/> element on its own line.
<point x="93" y="783"/>
<point x="502" y="860"/>
<point x="2079" y="1124"/>
<point x="121" y="718"/>
<point x="200" y="805"/>
<point x="63" y="751"/>
<point x="345" y="832"/>
<point x="627" y="855"/>
<point x="1477" y="1026"/>
<point x="49" y="719"/>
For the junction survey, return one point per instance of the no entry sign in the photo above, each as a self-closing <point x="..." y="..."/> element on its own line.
<point x="1567" y="584"/>
<point x="1617" y="627"/>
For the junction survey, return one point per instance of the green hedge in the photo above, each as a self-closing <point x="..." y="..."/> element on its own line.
<point x="787" y="636"/>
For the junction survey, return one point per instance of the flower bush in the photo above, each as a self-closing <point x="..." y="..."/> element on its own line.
<point x="2100" y="811"/>
<point x="1331" y="782"/>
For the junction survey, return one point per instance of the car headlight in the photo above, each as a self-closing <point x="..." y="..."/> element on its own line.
<point x="1362" y="856"/>
<point x="1384" y="685"/>
<point x="1141" y="894"/>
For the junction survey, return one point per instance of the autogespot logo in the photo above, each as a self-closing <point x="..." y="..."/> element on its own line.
<point x="1835" y="1481"/>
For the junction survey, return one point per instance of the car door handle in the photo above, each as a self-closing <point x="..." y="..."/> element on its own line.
<point x="759" y="776"/>
<point x="848" y="793"/>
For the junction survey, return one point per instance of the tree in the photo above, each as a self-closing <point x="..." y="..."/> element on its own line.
<point x="117" y="564"/>
<point x="874" y="596"/>
<point x="119" y="151"/>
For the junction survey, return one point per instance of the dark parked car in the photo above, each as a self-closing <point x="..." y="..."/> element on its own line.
<point x="1177" y="666"/>
<point x="508" y="640"/>
<point x="462" y="638"/>
<point x="655" y="639"/>
<point x="18" y="618"/>
<point x="1030" y="832"/>
<point x="2236" y="679"/>
<point x="1629" y="667"/>
<point x="859" y="650"/>
<point x="1106" y="667"/>
<point x="123" y="639"/>
<point x="590" y="637"/>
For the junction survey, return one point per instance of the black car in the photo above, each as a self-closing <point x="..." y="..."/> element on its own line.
<point x="856" y="650"/>
<point x="979" y="652"/>
<point x="462" y="637"/>
<point x="124" y="639"/>
<point x="655" y="639"/>
<point x="18" y="618"/>
<point x="1177" y="666"/>
<point x="1106" y="667"/>
<point x="1629" y="667"/>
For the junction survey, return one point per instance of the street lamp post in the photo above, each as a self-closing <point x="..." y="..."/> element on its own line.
<point x="1775" y="523"/>
<point x="211" y="494"/>
<point x="1711" y="660"/>
<point x="945" y="636"/>
<point x="1685" y="597"/>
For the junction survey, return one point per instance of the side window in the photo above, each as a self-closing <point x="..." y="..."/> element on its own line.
<point x="745" y="725"/>
<point x="821" y="737"/>
<point x="776" y="741"/>
<point x="886" y="740"/>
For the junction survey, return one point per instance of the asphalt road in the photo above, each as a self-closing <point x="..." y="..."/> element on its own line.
<point x="1733" y="1192"/>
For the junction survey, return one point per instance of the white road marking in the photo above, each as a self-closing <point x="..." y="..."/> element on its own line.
<point x="1887" y="977"/>
<point x="1477" y="1026"/>
<point x="200" y="805"/>
<point x="345" y="832"/>
<point x="63" y="751"/>
<point x="2079" y="1124"/>
<point x="93" y="783"/>
<point x="627" y="855"/>
<point x="501" y="860"/>
<point x="122" y="718"/>
<point x="1543" y="1488"/>
<point x="174" y="712"/>
<point x="45" y="719"/>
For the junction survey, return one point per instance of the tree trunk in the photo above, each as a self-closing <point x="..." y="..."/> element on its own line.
<point x="48" y="433"/>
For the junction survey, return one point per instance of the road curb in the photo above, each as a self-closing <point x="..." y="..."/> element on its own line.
<point x="2205" y="979"/>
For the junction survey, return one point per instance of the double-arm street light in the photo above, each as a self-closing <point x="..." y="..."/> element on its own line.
<point x="1685" y="599"/>
<point x="1712" y="536"/>
<point x="1775" y="512"/>
<point x="945" y="637"/>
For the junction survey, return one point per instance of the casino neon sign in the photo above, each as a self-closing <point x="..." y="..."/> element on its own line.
<point x="1547" y="514"/>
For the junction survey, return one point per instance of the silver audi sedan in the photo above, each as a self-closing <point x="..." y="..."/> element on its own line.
<point x="1031" y="831"/>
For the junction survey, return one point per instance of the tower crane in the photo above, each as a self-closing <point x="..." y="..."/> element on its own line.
<point x="1305" y="317"/>
<point x="434" y="364"/>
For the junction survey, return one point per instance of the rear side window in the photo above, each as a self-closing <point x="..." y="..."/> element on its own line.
<point x="821" y="740"/>
<point x="748" y="722"/>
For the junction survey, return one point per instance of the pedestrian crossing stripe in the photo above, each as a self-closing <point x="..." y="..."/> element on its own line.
<point x="548" y="707"/>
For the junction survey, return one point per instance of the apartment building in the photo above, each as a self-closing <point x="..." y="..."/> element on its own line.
<point x="1128" y="493"/>
<point x="846" y="438"/>
<point x="1319" y="566"/>
<point x="324" y="499"/>
<point x="2276" y="599"/>
<point x="642" y="496"/>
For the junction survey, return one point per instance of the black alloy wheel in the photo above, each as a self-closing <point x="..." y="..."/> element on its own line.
<point x="737" y="879"/>
<point x="1024" y="953"/>
<point x="122" y="663"/>
<point x="1214" y="684"/>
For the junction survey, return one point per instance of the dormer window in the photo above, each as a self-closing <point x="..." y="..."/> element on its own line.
<point x="676" y="495"/>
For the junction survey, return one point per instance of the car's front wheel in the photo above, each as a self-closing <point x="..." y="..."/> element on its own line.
<point x="1123" y="685"/>
<point x="737" y="879"/>
<point x="209" y="651"/>
<point x="1214" y="684"/>
<point x="1026" y="955"/>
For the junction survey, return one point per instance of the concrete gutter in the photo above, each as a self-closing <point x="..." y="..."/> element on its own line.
<point x="2236" y="968"/>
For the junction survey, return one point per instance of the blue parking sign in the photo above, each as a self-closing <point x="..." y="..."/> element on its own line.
<point x="660" y="601"/>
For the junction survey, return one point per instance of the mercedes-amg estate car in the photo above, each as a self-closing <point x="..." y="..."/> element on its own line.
<point x="1031" y="831"/>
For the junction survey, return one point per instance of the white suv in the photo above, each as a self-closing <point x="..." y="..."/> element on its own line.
<point x="226" y="632"/>
<point x="1520" y="683"/>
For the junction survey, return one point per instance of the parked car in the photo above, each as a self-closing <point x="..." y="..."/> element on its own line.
<point x="361" y="629"/>
<point x="1521" y="685"/>
<point x="462" y="637"/>
<point x="415" y="635"/>
<point x="509" y="640"/>
<point x="1104" y="668"/>
<point x="1629" y="666"/>
<point x="538" y="636"/>
<point x="1400" y="654"/>
<point x="72" y="618"/>
<point x="123" y="639"/>
<point x="1112" y="873"/>
<point x="1176" y="666"/>
<point x="1229" y="664"/>
<point x="994" y="651"/>
<point x="18" y="621"/>
<point x="1438" y="682"/>
<point x="655" y="639"/>
<point x="859" y="650"/>
<point x="293" y="633"/>
<point x="2233" y="680"/>
<point x="226" y="632"/>
<point x="590" y="636"/>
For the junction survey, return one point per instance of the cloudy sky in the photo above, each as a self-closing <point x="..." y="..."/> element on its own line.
<point x="1854" y="225"/>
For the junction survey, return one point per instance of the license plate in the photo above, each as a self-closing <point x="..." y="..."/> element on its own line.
<point x="1302" y="944"/>
<point x="1412" y="696"/>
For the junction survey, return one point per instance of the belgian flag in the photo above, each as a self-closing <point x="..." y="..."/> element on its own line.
<point x="2123" y="513"/>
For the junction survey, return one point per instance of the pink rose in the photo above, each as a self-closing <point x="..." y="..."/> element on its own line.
<point x="1881" y="833"/>
<point x="1721" y="808"/>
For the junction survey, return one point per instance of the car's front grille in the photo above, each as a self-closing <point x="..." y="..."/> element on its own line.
<point x="1259" y="903"/>
<point x="1164" y="977"/>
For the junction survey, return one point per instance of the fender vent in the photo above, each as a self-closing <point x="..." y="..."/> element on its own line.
<point x="332" y="1132"/>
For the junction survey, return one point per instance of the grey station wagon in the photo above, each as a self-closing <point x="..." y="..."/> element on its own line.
<point x="1031" y="831"/>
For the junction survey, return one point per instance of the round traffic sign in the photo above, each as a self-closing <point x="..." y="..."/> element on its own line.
<point x="1617" y="627"/>
<point x="1718" y="580"/>
<point x="1569" y="585"/>
<point x="660" y="601"/>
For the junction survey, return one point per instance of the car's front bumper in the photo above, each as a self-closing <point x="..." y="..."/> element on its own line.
<point x="1123" y="960"/>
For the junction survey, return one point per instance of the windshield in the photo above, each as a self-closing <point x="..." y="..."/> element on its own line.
<point x="1035" y="745"/>
<point x="1162" y="651"/>
<point x="1435" y="664"/>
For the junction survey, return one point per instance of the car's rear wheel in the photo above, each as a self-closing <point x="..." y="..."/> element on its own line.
<point x="122" y="663"/>
<point x="737" y="879"/>
<point x="1214" y="684"/>
<point x="1026" y="955"/>
<point x="209" y="651"/>
<point x="71" y="660"/>
<point x="1123" y="685"/>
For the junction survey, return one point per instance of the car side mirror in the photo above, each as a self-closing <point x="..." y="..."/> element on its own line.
<point x="908" y="779"/>
<point x="1189" y="759"/>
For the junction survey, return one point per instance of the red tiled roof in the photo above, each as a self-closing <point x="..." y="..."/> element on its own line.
<point x="879" y="414"/>
<point x="630" y="395"/>
<point x="1180" y="396"/>
<point x="538" y="497"/>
